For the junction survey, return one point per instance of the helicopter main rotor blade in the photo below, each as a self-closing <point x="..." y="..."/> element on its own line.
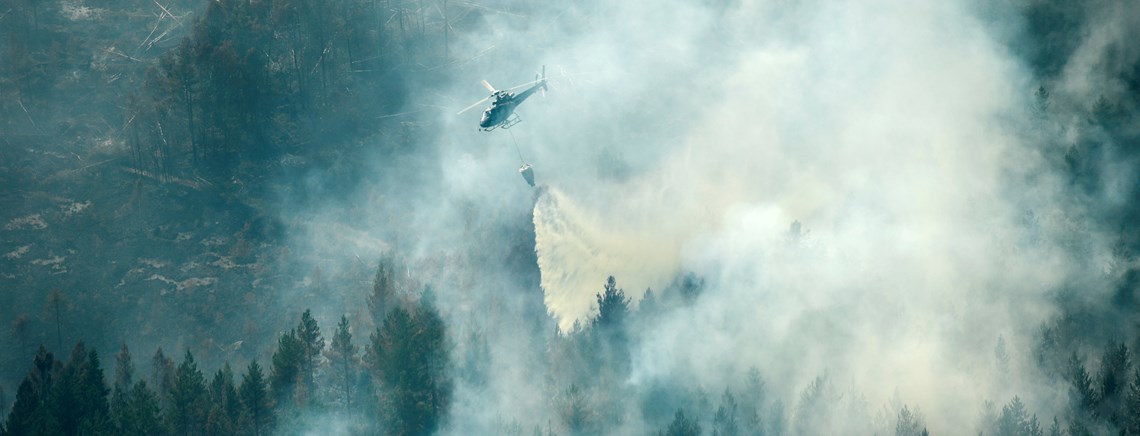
<point x="473" y="105"/>
<point x="537" y="80"/>
<point x="523" y="85"/>
<point x="488" y="86"/>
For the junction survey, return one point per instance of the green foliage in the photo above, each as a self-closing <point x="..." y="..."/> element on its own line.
<point x="256" y="80"/>
<point x="286" y="369"/>
<point x="1052" y="28"/>
<point x="649" y="306"/>
<point x="1112" y="386"/>
<point x="726" y="421"/>
<point x="388" y="287"/>
<point x="68" y="400"/>
<point x="1082" y="395"/>
<point x="576" y="411"/>
<point x="908" y="423"/>
<point x="29" y="414"/>
<point x="1132" y="423"/>
<point x="814" y="407"/>
<point x="188" y="400"/>
<point x="409" y="360"/>
<point x="257" y="413"/>
<point x="162" y="377"/>
<point x="309" y="336"/>
<point x="224" y="415"/>
<point x="691" y="287"/>
<point x="293" y="376"/>
<point x="1055" y="429"/>
<point x="1001" y="357"/>
<point x="610" y="332"/>
<point x="752" y="401"/>
<point x="681" y="426"/>
<point x="613" y="307"/>
<point x="124" y="368"/>
<point x="1015" y="420"/>
<point x="140" y="414"/>
<point x="342" y="356"/>
<point x="79" y="397"/>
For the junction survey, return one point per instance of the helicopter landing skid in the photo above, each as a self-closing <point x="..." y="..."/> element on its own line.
<point x="514" y="119"/>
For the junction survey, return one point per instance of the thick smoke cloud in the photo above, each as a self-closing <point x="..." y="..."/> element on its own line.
<point x="688" y="137"/>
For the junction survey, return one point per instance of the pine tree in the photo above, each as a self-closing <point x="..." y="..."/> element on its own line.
<point x="384" y="291"/>
<point x="309" y="336"/>
<point x="32" y="412"/>
<point x="1112" y="386"/>
<point x="143" y="416"/>
<point x="907" y="423"/>
<point x="225" y="407"/>
<point x="286" y="369"/>
<point x="342" y="356"/>
<point x="812" y="409"/>
<point x="1055" y="429"/>
<point x="29" y="414"/>
<point x="188" y="399"/>
<point x="120" y="405"/>
<point x="93" y="397"/>
<point x="681" y="426"/>
<point x="63" y="400"/>
<point x="725" y="421"/>
<point x="752" y="401"/>
<point x="256" y="403"/>
<point x="408" y="357"/>
<point x="691" y="287"/>
<point x="119" y="408"/>
<point x="1034" y="427"/>
<point x="649" y="306"/>
<point x="1001" y="357"/>
<point x="162" y="378"/>
<point x="435" y="370"/>
<point x="1132" y="425"/>
<point x="1082" y="397"/>
<point x="609" y="332"/>
<point x="613" y="307"/>
<point x="1014" y="419"/>
<point x="576" y="411"/>
<point x="44" y="371"/>
<point x="79" y="397"/>
<point x="124" y="368"/>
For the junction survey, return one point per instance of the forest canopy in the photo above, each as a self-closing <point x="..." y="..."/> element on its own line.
<point x="744" y="217"/>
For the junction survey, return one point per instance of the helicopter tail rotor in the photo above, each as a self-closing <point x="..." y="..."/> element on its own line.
<point x="541" y="81"/>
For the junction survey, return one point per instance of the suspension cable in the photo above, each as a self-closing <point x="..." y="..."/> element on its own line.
<point x="517" y="149"/>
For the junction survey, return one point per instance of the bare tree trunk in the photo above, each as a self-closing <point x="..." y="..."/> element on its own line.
<point x="344" y="13"/>
<point x="56" y="298"/>
<point x="446" y="33"/>
<point x="347" y="386"/>
<point x="189" y="93"/>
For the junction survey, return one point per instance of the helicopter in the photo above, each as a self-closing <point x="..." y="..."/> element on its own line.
<point x="502" y="114"/>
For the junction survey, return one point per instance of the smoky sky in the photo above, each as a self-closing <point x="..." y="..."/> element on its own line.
<point x="687" y="137"/>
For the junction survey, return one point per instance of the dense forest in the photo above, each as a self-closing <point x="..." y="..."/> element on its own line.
<point x="752" y="218"/>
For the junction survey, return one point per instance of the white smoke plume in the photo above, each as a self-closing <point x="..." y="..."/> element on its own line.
<point x="688" y="137"/>
<point x="897" y="133"/>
